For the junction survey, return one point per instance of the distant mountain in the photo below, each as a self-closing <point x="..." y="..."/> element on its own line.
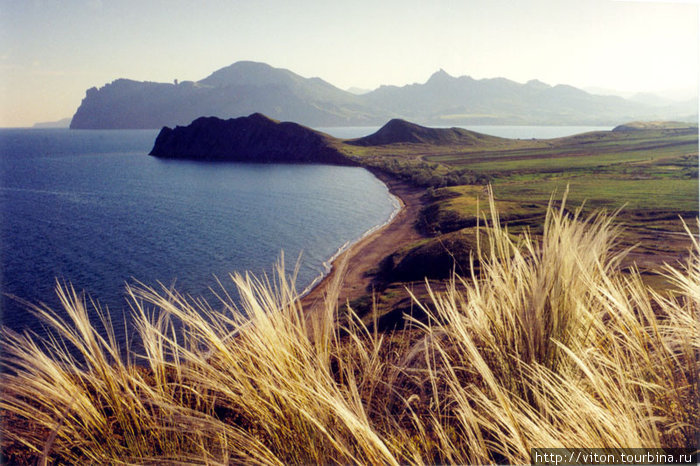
<point x="255" y="138"/>
<point x="248" y="87"/>
<point x="240" y="89"/>
<point x="399" y="131"/>
<point x="653" y="100"/>
<point x="62" y="123"/>
<point x="444" y="100"/>
<point x="358" y="90"/>
<point x="669" y="105"/>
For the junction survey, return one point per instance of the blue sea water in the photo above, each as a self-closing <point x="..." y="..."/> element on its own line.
<point x="92" y="209"/>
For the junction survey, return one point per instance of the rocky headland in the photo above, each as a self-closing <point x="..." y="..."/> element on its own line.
<point x="255" y="138"/>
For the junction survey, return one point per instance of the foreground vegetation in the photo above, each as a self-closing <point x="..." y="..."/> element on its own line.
<point x="542" y="342"/>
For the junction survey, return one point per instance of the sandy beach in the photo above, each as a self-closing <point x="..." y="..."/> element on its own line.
<point x="367" y="253"/>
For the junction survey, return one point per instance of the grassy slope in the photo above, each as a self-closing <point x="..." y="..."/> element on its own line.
<point x="651" y="173"/>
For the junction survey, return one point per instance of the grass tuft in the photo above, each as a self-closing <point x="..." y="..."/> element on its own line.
<point x="550" y="345"/>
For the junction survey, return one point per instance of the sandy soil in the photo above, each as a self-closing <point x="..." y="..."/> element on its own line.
<point x="366" y="254"/>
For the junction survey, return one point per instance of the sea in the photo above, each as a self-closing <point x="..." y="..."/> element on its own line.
<point x="90" y="209"/>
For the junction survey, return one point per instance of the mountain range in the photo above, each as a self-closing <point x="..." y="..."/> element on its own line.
<point x="248" y="87"/>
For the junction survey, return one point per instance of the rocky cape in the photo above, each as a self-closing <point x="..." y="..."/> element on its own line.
<point x="255" y="138"/>
<point x="247" y="87"/>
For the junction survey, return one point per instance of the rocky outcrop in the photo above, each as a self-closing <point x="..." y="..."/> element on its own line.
<point x="255" y="138"/>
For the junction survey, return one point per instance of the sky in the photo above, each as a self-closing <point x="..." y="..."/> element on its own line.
<point x="52" y="51"/>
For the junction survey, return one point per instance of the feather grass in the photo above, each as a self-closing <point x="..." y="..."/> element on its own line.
<point x="551" y="345"/>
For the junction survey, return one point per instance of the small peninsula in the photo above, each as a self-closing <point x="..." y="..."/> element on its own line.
<point x="255" y="138"/>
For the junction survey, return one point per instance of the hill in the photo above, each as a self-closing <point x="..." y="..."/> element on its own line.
<point x="399" y="131"/>
<point x="247" y="87"/>
<point x="657" y="125"/>
<point x="255" y="138"/>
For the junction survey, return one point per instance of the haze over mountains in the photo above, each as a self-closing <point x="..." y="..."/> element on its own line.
<point x="249" y="87"/>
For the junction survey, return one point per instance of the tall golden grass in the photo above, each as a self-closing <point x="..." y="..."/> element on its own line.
<point x="550" y="345"/>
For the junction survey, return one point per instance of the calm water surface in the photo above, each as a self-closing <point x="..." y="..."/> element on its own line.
<point x="92" y="209"/>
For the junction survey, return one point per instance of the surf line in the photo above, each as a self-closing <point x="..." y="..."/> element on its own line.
<point x="396" y="202"/>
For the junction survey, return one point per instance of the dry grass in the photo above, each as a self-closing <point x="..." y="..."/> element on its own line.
<point x="550" y="346"/>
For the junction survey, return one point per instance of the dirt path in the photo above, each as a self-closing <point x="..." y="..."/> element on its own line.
<point x="366" y="255"/>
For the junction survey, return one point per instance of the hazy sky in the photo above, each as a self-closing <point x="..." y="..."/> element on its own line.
<point x="52" y="51"/>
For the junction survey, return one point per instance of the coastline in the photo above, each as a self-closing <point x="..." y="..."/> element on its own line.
<point x="328" y="264"/>
<point x="366" y="253"/>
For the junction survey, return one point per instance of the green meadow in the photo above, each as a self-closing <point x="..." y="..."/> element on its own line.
<point x="647" y="173"/>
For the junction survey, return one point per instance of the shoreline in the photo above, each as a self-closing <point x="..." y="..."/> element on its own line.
<point x="328" y="264"/>
<point x="367" y="252"/>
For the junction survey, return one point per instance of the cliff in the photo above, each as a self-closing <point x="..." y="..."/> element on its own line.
<point x="255" y="138"/>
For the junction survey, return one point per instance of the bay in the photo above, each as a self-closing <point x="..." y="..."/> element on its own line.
<point x="90" y="208"/>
